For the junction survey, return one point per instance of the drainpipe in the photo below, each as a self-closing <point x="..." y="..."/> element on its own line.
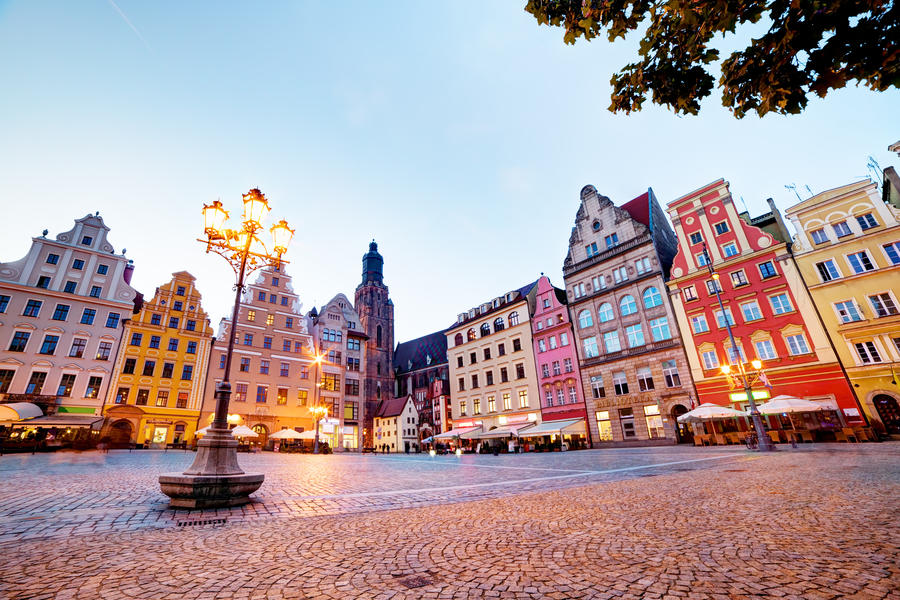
<point x="109" y="387"/>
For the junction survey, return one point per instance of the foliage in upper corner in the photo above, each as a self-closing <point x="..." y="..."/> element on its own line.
<point x="811" y="46"/>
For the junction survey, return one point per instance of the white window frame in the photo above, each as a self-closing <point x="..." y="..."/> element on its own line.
<point x="612" y="335"/>
<point x="770" y="353"/>
<point x="635" y="335"/>
<point x="853" y="305"/>
<point x="697" y="319"/>
<point x="891" y="298"/>
<point x="868" y="256"/>
<point x="787" y="341"/>
<point x="775" y="310"/>
<point x="709" y="365"/>
<point x="755" y="304"/>
<point x="725" y="251"/>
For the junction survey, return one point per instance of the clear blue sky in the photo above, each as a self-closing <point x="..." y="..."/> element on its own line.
<point x="458" y="134"/>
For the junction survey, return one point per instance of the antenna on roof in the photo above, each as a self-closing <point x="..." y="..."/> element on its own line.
<point x="793" y="188"/>
<point x="873" y="167"/>
<point x="744" y="203"/>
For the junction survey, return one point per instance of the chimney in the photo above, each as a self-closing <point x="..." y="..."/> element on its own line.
<point x="129" y="271"/>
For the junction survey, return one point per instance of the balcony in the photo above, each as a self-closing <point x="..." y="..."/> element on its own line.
<point x="636" y="351"/>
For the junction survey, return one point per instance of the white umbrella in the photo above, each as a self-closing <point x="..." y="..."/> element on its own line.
<point x="286" y="434"/>
<point x="243" y="431"/>
<point x="789" y="404"/>
<point x="708" y="412"/>
<point x="311" y="435"/>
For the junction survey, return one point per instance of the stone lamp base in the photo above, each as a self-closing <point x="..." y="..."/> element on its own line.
<point x="214" y="480"/>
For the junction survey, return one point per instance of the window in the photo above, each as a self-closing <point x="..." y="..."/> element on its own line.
<point x="485" y="329"/>
<point x="459" y="361"/>
<point x="154" y="341"/>
<point x="735" y="356"/>
<point x="841" y="229"/>
<point x="591" y="249"/>
<point x="730" y="250"/>
<point x="264" y="367"/>
<point x="262" y="392"/>
<point x="507" y="403"/>
<point x="4" y="303"/>
<point x="70" y="287"/>
<point x="162" y="397"/>
<point x="603" y="425"/>
<point x="620" y="274"/>
<point x="149" y="367"/>
<point x="352" y="364"/>
<point x="112" y="320"/>
<point x="275" y="282"/>
<point x="52" y="259"/>
<point x="49" y="344"/>
<point x="750" y="311"/>
<point x="611" y="341"/>
<point x="304" y="372"/>
<point x="584" y="319"/>
<point x="19" y="341"/>
<point x="847" y="311"/>
<point x="32" y="308"/>
<point x="721" y="227"/>
<point x="523" y="398"/>
<point x="635" y="335"/>
<point x="498" y="324"/>
<point x="696" y="237"/>
<point x="181" y="401"/>
<point x="520" y="371"/>
<point x="128" y="367"/>
<point x="710" y="360"/>
<point x="563" y="339"/>
<point x="187" y="372"/>
<point x="797" y="344"/>
<point x="473" y="358"/>
<point x="548" y="398"/>
<point x="590" y="347"/>
<point x="765" y="350"/>
<point x="781" y="304"/>
<point x="738" y="278"/>
<point x="248" y="339"/>
<point x="767" y="269"/>
<point x="659" y="329"/>
<point x="351" y="387"/>
<point x="867" y="352"/>
<point x="267" y="342"/>
<point x="87" y="316"/>
<point x="489" y="378"/>
<point x="78" y="346"/>
<point x="93" y="387"/>
<point x="699" y="324"/>
<point x="475" y="382"/>
<point x="463" y="407"/>
<point x="517" y="345"/>
<point x="504" y="377"/>
<point x="722" y="317"/>
<point x="597" y="389"/>
<point x="251" y="315"/>
<point x="87" y="240"/>
<point x="281" y="396"/>
<point x="818" y="236"/>
<point x="78" y="264"/>
<point x="642" y="265"/>
<point x="104" y="349"/>
<point x="654" y="422"/>
<point x="827" y="270"/>
<point x="670" y="373"/>
<point x="36" y="382"/>
<point x="860" y="262"/>
<point x="578" y="290"/>
<point x="245" y="365"/>
<point x="240" y="392"/>
<point x="689" y="293"/>
<point x="491" y="404"/>
<point x="190" y="325"/>
<point x="567" y="365"/>
<point x="43" y="282"/>
<point x="353" y="344"/>
<point x="883" y="304"/>
<point x="513" y="319"/>
<point x="645" y="379"/>
<point x="173" y="345"/>
<point x="136" y="339"/>
<point x="173" y="322"/>
<point x="556" y="368"/>
<point x="552" y="342"/>
<point x="605" y="312"/>
<point x="61" y="313"/>
<point x="611" y="240"/>
<point x="627" y="305"/>
<point x="713" y="286"/>
<point x="270" y="319"/>
<point x="652" y="297"/>
<point x="284" y="369"/>
<point x="866" y="221"/>
<point x="542" y="346"/>
<point x="620" y="383"/>
<point x="702" y="259"/>
<point x="598" y="282"/>
<point x="155" y="319"/>
<point x="892" y="251"/>
<point x="121" y="394"/>
<point x="273" y="299"/>
<point x="302" y="397"/>
<point x="142" y="397"/>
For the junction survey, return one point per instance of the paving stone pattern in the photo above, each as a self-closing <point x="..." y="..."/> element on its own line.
<point x="819" y="522"/>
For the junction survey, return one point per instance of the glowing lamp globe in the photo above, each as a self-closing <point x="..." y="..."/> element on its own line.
<point x="256" y="207"/>
<point x="282" y="236"/>
<point x="214" y="218"/>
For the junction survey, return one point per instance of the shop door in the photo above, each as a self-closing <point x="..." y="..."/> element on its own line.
<point x="888" y="412"/>
<point x="683" y="431"/>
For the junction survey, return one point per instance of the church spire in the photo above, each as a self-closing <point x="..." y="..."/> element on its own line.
<point x="373" y="266"/>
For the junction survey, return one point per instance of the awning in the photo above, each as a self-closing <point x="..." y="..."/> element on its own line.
<point x="506" y="431"/>
<point x="91" y="421"/>
<point x="566" y="426"/>
<point x="461" y="432"/>
<point x="17" y="411"/>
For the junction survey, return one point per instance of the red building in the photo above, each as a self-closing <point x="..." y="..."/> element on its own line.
<point x="771" y="314"/>
<point x="420" y="371"/>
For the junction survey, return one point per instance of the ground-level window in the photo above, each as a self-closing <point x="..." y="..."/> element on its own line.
<point x="604" y="426"/>
<point x="626" y="417"/>
<point x="654" y="422"/>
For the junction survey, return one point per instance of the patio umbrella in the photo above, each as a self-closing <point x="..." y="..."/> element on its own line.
<point x="789" y="404"/>
<point x="286" y="434"/>
<point x="311" y="435"/>
<point x="709" y="411"/>
<point x="243" y="431"/>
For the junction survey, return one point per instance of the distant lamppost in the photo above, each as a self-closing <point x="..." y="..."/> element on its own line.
<point x="319" y="412"/>
<point x="744" y="377"/>
<point x="215" y="479"/>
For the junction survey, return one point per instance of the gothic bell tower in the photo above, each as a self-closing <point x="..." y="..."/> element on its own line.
<point x="376" y="314"/>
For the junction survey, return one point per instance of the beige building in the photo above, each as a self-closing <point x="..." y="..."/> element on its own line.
<point x="396" y="425"/>
<point x="61" y="314"/>
<point x="633" y="368"/>
<point x="493" y="379"/>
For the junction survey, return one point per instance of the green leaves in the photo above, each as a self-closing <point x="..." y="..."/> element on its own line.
<point x="812" y="46"/>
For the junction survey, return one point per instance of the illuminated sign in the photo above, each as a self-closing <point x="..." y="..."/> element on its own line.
<point x="742" y="396"/>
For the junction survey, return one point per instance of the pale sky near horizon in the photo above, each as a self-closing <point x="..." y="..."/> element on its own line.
<point x="458" y="135"/>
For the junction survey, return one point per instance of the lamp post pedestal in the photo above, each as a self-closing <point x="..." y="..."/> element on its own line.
<point x="214" y="480"/>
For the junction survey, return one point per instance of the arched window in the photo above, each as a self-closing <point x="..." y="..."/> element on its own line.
<point x="513" y="319"/>
<point x="485" y="329"/>
<point x="627" y="306"/>
<point x="458" y="341"/>
<point x="605" y="312"/>
<point x="470" y="335"/>
<point x="585" y="319"/>
<point x="498" y="324"/>
<point x="652" y="297"/>
<point x="378" y="336"/>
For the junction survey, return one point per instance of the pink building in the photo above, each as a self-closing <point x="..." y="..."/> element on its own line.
<point x="554" y="354"/>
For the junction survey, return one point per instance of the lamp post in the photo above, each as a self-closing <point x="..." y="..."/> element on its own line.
<point x="319" y="412"/>
<point x="215" y="479"/>
<point x="765" y="442"/>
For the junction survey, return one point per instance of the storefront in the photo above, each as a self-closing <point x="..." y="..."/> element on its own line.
<point x="568" y="434"/>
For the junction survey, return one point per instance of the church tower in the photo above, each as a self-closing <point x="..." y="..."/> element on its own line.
<point x="376" y="315"/>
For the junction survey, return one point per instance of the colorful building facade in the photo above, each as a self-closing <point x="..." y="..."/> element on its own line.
<point x="771" y="314"/>
<point x="848" y="253"/>
<point x="633" y="368"/>
<point x="396" y="426"/>
<point x="421" y="371"/>
<point x="61" y="312"/>
<point x="159" y="376"/>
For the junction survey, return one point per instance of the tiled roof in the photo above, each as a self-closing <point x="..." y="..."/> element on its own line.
<point x="417" y="351"/>
<point x="523" y="292"/>
<point x="392" y="407"/>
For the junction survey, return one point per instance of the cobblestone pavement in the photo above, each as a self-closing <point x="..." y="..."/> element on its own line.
<point x="819" y="522"/>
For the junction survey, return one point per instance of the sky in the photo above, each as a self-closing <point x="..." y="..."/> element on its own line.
<point x="458" y="135"/>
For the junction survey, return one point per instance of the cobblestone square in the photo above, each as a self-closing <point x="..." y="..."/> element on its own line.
<point x="816" y="522"/>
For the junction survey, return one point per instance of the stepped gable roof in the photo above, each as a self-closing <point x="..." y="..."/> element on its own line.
<point x="417" y="352"/>
<point x="392" y="407"/>
<point x="639" y="208"/>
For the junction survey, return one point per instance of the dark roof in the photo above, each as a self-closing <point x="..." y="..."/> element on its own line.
<point x="523" y="292"/>
<point x="639" y="208"/>
<point x="418" y="350"/>
<point x="392" y="407"/>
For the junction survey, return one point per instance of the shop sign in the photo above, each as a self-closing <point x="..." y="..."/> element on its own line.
<point x="617" y="401"/>
<point x="742" y="396"/>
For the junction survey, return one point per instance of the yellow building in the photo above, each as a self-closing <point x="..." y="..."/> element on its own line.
<point x="157" y="387"/>
<point x="848" y="251"/>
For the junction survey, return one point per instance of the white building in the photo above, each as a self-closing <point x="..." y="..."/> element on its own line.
<point x="396" y="425"/>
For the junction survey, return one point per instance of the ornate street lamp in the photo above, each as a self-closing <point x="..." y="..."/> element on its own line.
<point x="215" y="479"/>
<point x="319" y="412"/>
<point x="743" y="376"/>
